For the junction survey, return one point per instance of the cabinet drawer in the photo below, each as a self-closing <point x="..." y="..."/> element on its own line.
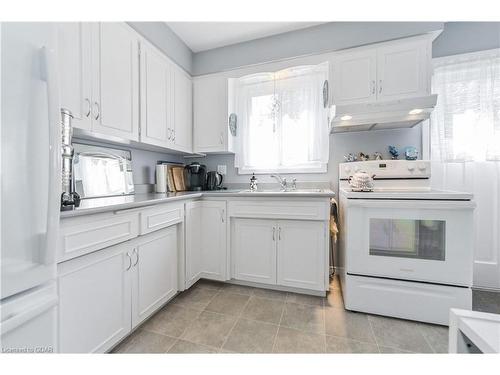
<point x="280" y="209"/>
<point x="82" y="235"/>
<point x="159" y="217"/>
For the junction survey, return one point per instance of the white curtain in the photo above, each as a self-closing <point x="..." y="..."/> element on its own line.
<point x="465" y="147"/>
<point x="282" y="124"/>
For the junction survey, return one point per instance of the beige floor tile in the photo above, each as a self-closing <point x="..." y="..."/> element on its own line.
<point x="228" y="303"/>
<point x="146" y="342"/>
<point x="291" y="340"/>
<point x="343" y="323"/>
<point x="398" y="333"/>
<point x="196" y="298"/>
<point x="305" y="299"/>
<point x="238" y="289"/>
<point x="271" y="294"/>
<point x="172" y="320"/>
<point x="263" y="309"/>
<point x="186" y="347"/>
<point x="436" y="336"/>
<point x="250" y="336"/>
<point x="210" y="284"/>
<point x="209" y="329"/>
<point x="343" y="345"/>
<point x="389" y="350"/>
<point x="304" y="317"/>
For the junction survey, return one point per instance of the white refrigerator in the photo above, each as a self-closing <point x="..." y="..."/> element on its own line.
<point x="30" y="187"/>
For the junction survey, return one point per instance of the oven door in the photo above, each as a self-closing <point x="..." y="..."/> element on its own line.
<point x="416" y="240"/>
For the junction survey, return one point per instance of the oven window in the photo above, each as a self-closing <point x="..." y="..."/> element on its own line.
<point x="421" y="239"/>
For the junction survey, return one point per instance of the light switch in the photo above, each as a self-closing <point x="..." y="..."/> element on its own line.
<point x="222" y="169"/>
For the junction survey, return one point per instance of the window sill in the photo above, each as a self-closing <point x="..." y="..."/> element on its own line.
<point x="294" y="170"/>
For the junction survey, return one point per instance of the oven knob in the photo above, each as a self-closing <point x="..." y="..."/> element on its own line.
<point x="422" y="167"/>
<point x="357" y="169"/>
<point x="411" y="168"/>
<point x="347" y="169"/>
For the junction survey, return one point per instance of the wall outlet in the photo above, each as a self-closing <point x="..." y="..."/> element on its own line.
<point x="222" y="169"/>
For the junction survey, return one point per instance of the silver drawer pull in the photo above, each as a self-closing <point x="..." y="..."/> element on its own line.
<point x="136" y="257"/>
<point x="129" y="262"/>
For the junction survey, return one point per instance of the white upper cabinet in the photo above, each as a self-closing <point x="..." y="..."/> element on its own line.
<point x="115" y="88"/>
<point x="211" y="114"/>
<point x="402" y="70"/>
<point x="354" y="77"/>
<point x="156" y="98"/>
<point x="381" y="72"/>
<point x="74" y="71"/>
<point x="182" y="132"/>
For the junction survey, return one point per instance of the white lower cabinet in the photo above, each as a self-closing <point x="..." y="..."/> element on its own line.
<point x="301" y="254"/>
<point x="206" y="233"/>
<point x="105" y="294"/>
<point x="254" y="250"/>
<point x="94" y="300"/>
<point x="154" y="272"/>
<point x="290" y="253"/>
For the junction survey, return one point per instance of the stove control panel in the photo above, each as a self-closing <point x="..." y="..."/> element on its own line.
<point x="387" y="169"/>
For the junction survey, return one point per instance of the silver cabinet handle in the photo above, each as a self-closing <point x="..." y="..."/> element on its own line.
<point x="274" y="233"/>
<point x="89" y="107"/>
<point x="221" y="138"/>
<point x="96" y="117"/>
<point x="129" y="262"/>
<point x="169" y="133"/>
<point x="136" y="257"/>
<point x="173" y="134"/>
<point x="279" y="233"/>
<point x="380" y="86"/>
<point x="373" y="87"/>
<point x="222" y="215"/>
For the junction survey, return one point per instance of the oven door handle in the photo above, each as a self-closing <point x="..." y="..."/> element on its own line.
<point x="411" y="204"/>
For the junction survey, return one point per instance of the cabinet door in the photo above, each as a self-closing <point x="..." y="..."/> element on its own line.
<point x="254" y="250"/>
<point x="193" y="242"/>
<point x="354" y="77"/>
<point x="115" y="86"/>
<point x="213" y="240"/>
<point x="210" y="114"/>
<point x="183" y="129"/>
<point x="402" y="70"/>
<point x="155" y="97"/>
<point x="154" y="272"/>
<point x="73" y="48"/>
<point x="302" y="254"/>
<point x="94" y="300"/>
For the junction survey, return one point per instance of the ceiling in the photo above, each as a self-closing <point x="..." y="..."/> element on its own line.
<point x="202" y="36"/>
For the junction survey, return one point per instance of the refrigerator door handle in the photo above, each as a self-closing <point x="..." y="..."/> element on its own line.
<point x="50" y="75"/>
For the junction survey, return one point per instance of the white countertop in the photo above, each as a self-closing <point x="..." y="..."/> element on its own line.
<point x="98" y="205"/>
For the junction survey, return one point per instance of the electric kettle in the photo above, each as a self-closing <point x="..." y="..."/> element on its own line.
<point x="214" y="180"/>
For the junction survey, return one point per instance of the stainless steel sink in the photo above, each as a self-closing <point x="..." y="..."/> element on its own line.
<point x="278" y="191"/>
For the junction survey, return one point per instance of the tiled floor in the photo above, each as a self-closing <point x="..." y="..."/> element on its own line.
<point x="222" y="318"/>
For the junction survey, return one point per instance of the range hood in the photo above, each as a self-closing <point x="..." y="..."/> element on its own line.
<point x="402" y="113"/>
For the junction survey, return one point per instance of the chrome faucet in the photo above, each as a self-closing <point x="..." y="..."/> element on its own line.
<point x="281" y="180"/>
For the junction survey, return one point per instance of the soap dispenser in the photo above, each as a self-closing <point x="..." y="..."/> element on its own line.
<point x="253" y="183"/>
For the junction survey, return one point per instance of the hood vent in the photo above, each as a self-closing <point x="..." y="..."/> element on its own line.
<point x="403" y="113"/>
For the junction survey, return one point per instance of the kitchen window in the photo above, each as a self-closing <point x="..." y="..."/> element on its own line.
<point x="282" y="121"/>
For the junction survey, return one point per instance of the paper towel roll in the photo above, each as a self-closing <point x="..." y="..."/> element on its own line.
<point x="161" y="178"/>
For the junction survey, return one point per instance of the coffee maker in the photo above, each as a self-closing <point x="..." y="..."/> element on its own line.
<point x="196" y="174"/>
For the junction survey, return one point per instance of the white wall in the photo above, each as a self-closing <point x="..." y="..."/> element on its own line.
<point x="340" y="144"/>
